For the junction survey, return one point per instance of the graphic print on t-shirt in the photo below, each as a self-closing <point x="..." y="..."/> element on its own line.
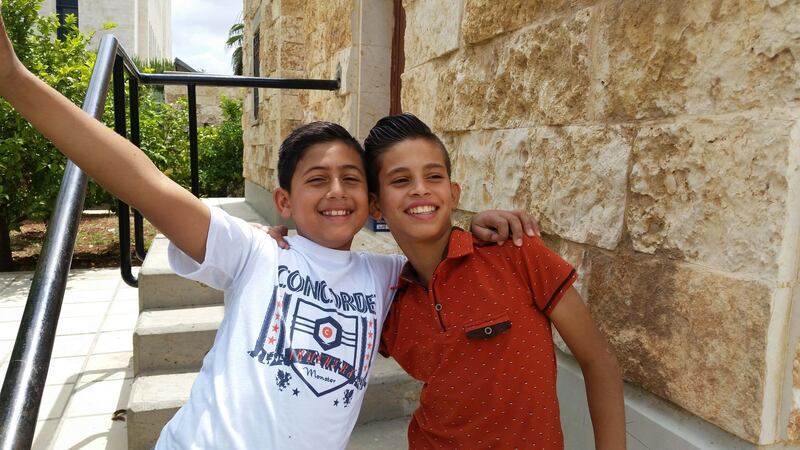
<point x="319" y="336"/>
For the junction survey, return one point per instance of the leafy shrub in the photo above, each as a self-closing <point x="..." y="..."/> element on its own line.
<point x="221" y="153"/>
<point x="32" y="168"/>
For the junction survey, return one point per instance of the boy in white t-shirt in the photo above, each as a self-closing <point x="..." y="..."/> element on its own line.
<point x="297" y="341"/>
<point x="292" y="357"/>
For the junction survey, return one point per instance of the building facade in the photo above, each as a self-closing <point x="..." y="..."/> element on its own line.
<point x="143" y="27"/>
<point x="658" y="142"/>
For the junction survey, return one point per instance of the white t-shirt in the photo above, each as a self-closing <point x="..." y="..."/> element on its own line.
<point x="292" y="357"/>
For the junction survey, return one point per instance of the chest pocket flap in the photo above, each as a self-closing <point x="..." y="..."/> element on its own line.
<point x="489" y="328"/>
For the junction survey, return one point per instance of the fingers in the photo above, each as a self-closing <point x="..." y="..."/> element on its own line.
<point x="282" y="229"/>
<point x="501" y="229"/>
<point x="530" y="224"/>
<point x="484" y="234"/>
<point x="516" y="228"/>
<point x="499" y="226"/>
<point x="277" y="233"/>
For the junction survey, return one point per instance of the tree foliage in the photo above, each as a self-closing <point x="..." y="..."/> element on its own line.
<point x="235" y="40"/>
<point x="221" y="152"/>
<point x="32" y="168"/>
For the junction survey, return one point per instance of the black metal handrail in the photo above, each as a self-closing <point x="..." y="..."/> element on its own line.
<point x="27" y="370"/>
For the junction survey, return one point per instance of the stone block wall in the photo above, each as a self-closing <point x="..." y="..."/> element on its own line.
<point x="317" y="39"/>
<point x="279" y="26"/>
<point x="659" y="144"/>
<point x="284" y="53"/>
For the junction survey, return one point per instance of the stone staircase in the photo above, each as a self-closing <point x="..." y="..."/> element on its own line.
<point x="178" y="320"/>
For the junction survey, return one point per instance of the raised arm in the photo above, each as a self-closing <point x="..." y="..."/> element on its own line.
<point x="108" y="158"/>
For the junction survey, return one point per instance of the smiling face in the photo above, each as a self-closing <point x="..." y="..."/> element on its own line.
<point x="415" y="195"/>
<point x="328" y="197"/>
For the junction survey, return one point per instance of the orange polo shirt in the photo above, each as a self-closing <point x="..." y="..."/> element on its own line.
<point x="479" y="338"/>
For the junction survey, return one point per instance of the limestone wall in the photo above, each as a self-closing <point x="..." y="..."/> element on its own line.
<point x="281" y="51"/>
<point x="659" y="144"/>
<point x="318" y="39"/>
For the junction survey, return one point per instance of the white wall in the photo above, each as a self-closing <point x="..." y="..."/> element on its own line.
<point x="155" y="29"/>
<point x="144" y="27"/>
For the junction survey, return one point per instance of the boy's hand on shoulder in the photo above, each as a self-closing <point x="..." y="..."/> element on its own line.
<point x="499" y="226"/>
<point x="277" y="233"/>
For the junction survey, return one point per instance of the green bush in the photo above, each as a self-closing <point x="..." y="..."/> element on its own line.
<point x="32" y="168"/>
<point x="221" y="153"/>
<point x="164" y="132"/>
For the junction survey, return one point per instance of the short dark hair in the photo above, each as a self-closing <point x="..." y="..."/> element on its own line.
<point x="389" y="131"/>
<point x="302" y="138"/>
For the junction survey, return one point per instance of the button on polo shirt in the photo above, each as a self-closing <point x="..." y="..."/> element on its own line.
<point x="479" y="337"/>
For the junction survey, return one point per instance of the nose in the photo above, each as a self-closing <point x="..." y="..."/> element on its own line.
<point x="336" y="189"/>
<point x="419" y="188"/>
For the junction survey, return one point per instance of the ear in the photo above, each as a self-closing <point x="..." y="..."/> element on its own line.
<point x="282" y="202"/>
<point x="374" y="209"/>
<point x="455" y="194"/>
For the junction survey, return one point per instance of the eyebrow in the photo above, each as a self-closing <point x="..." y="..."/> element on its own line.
<point x="343" y="167"/>
<point x="426" y="166"/>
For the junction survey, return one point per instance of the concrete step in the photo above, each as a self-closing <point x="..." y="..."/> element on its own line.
<point x="154" y="399"/>
<point x="160" y="288"/>
<point x="174" y="340"/>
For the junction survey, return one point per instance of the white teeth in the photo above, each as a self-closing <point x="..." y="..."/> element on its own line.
<point x="422" y="209"/>
<point x="336" y="212"/>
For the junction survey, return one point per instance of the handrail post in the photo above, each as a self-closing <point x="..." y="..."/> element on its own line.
<point x="136" y="139"/>
<point x="123" y="210"/>
<point x="192" y="98"/>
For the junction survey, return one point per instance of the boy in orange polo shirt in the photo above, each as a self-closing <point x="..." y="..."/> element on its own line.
<point x="472" y="321"/>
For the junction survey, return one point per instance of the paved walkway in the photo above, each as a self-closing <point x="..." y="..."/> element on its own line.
<point x="90" y="372"/>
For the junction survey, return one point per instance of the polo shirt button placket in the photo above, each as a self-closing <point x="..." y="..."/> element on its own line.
<point x="437" y="307"/>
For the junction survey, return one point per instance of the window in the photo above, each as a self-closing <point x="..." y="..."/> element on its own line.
<point x="63" y="9"/>
<point x="256" y="69"/>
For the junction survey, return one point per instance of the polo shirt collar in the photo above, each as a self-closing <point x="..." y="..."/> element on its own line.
<point x="460" y="245"/>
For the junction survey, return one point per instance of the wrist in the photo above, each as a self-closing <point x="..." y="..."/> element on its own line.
<point x="11" y="78"/>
